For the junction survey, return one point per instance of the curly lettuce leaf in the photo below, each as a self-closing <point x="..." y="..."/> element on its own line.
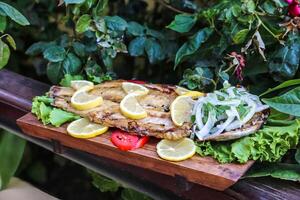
<point x="41" y="107"/>
<point x="268" y="144"/>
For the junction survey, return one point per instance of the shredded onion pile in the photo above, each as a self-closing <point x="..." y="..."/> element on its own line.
<point x="224" y="110"/>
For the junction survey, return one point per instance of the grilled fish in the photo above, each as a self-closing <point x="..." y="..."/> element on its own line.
<point x="157" y="103"/>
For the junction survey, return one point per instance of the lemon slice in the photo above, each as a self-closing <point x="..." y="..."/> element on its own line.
<point x="176" y="150"/>
<point x="181" y="90"/>
<point x="81" y="100"/>
<point x="83" y="128"/>
<point x="131" y="108"/>
<point x="82" y="84"/>
<point x="194" y="94"/>
<point x="129" y="87"/>
<point x="181" y="110"/>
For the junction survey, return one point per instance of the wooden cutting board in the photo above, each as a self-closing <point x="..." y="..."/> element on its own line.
<point x="201" y="170"/>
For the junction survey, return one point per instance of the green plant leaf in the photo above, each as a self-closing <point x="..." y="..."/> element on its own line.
<point x="284" y="62"/>
<point x="287" y="103"/>
<point x="11" y="151"/>
<point x="192" y="45"/>
<point x="240" y="36"/>
<point x="183" y="23"/>
<point x="115" y="23"/>
<point x="57" y="117"/>
<point x="4" y="54"/>
<point x="282" y="85"/>
<point x="104" y="184"/>
<point x="278" y="170"/>
<point x="2" y="23"/>
<point x="73" y="1"/>
<point x="14" y="14"/>
<point x="83" y="23"/>
<point x="100" y="7"/>
<point x="11" y="41"/>
<point x="79" y="49"/>
<point x="55" y="72"/>
<point x="136" y="29"/>
<point x="297" y="155"/>
<point x="130" y="194"/>
<point x="54" y="53"/>
<point x="71" y="64"/>
<point x="136" y="46"/>
<point x="66" y="81"/>
<point x="100" y="24"/>
<point x="153" y="50"/>
<point x="38" y="48"/>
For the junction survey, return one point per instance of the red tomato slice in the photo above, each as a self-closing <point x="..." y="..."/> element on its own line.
<point x="136" y="81"/>
<point x="125" y="141"/>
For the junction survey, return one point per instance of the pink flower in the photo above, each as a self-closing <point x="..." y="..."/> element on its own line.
<point x="240" y="63"/>
<point x="294" y="9"/>
<point x="289" y="1"/>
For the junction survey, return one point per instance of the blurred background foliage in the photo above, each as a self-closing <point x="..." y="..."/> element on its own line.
<point x="197" y="43"/>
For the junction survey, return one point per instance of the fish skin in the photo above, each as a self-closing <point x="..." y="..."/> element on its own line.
<point x="157" y="103"/>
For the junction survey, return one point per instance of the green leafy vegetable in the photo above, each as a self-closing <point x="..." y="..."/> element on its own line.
<point x="268" y="144"/>
<point x="66" y="81"/>
<point x="287" y="103"/>
<point x="41" y="107"/>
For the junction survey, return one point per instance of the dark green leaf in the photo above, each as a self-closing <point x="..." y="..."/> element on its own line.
<point x="130" y="194"/>
<point x="72" y="64"/>
<point x="107" y="59"/>
<point x="297" y="155"/>
<point x="11" y="151"/>
<point x="13" y="14"/>
<point x="136" y="46"/>
<point x="115" y="23"/>
<point x="240" y="36"/>
<point x="2" y="23"/>
<point x="11" y="41"/>
<point x="193" y="44"/>
<point x="100" y="7"/>
<point x="66" y="81"/>
<point x="183" y="23"/>
<point x="278" y="170"/>
<point x="136" y="29"/>
<point x="100" y="24"/>
<point x="54" y="53"/>
<point x="285" y="60"/>
<point x="4" y="54"/>
<point x="287" y="103"/>
<point x="282" y="85"/>
<point x="153" y="50"/>
<point x="38" y="48"/>
<point x="83" y="23"/>
<point x="79" y="49"/>
<point x="55" y="72"/>
<point x="104" y="184"/>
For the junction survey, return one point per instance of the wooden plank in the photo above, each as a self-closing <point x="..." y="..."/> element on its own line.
<point x="201" y="170"/>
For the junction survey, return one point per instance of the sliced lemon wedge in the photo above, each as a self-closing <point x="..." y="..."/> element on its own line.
<point x="194" y="94"/>
<point x="83" y="128"/>
<point x="131" y="108"/>
<point x="176" y="150"/>
<point x="129" y="87"/>
<point x="181" y="90"/>
<point x="82" y="100"/>
<point x="82" y="84"/>
<point x="181" y="110"/>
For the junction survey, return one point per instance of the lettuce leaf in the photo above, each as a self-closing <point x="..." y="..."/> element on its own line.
<point x="41" y="107"/>
<point x="268" y="144"/>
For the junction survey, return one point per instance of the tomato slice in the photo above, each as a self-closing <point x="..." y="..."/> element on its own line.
<point x="136" y="81"/>
<point x="125" y="141"/>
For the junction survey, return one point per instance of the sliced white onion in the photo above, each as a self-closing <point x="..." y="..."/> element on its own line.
<point x="261" y="108"/>
<point x="208" y="125"/>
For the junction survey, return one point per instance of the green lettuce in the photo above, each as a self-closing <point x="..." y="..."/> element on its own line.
<point x="268" y="144"/>
<point x="41" y="107"/>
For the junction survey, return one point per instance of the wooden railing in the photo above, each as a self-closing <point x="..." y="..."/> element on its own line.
<point x="16" y="93"/>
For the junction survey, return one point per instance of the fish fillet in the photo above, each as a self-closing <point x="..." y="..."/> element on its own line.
<point x="157" y="103"/>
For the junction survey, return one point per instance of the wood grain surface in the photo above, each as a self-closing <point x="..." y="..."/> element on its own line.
<point x="201" y="170"/>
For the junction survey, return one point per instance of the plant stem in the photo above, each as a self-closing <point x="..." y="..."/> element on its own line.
<point x="265" y="27"/>
<point x="162" y="2"/>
